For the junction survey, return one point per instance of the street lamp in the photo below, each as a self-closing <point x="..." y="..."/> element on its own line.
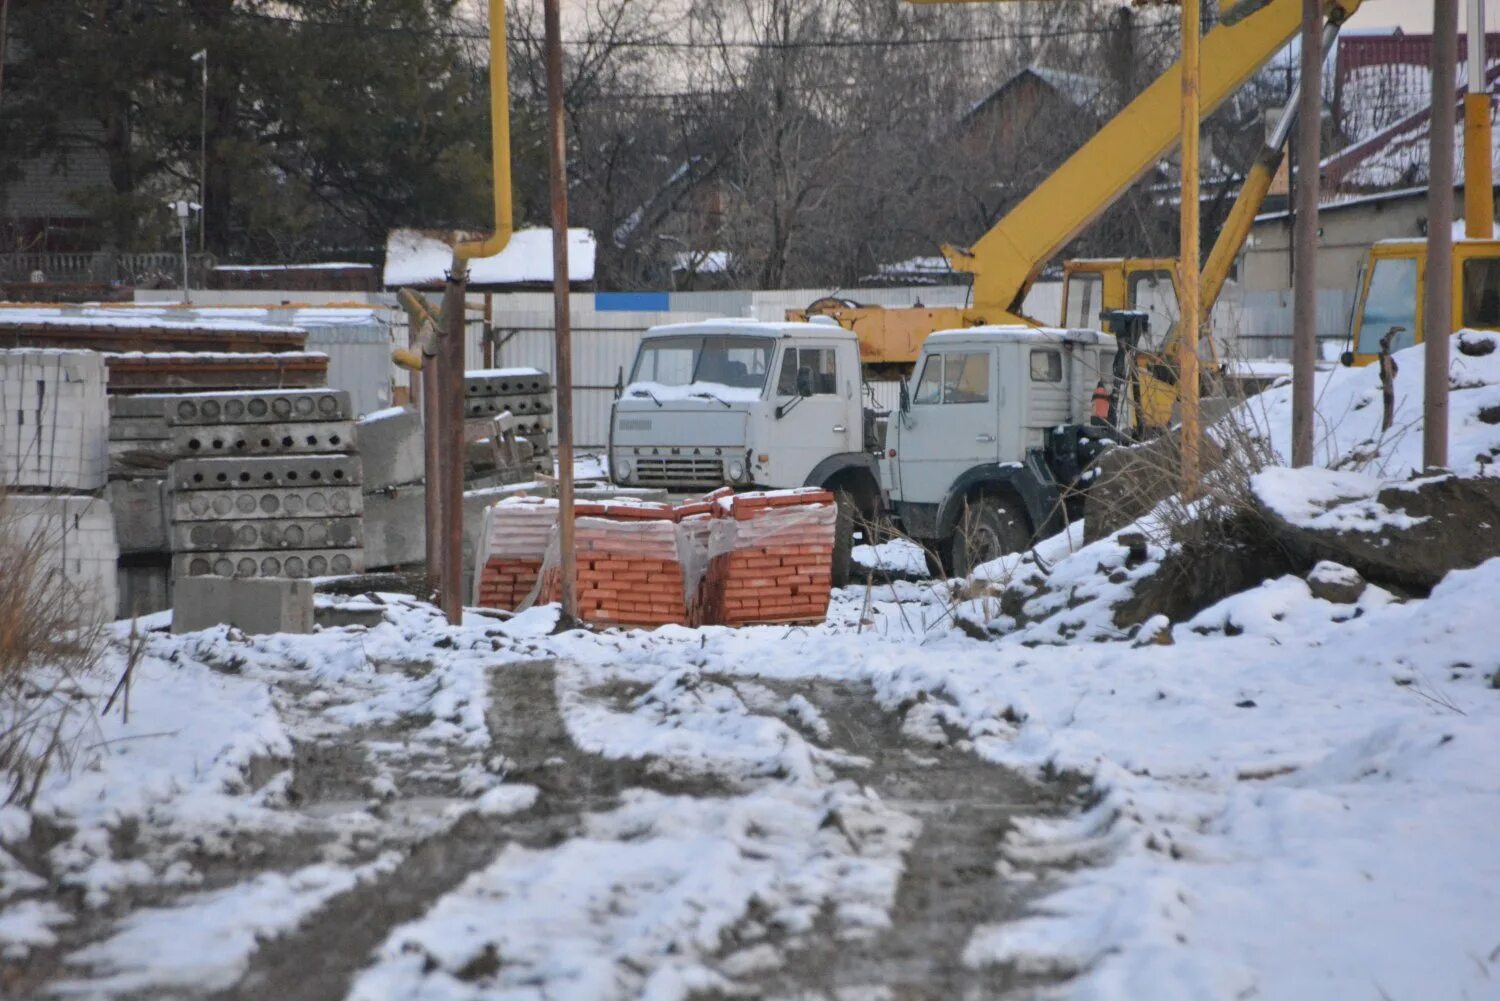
<point x="184" y="208"/>
<point x="201" y="56"/>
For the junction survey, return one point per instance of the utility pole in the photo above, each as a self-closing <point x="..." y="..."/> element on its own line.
<point x="1305" y="233"/>
<point x="1437" y="312"/>
<point x="1479" y="170"/>
<point x="202" y="56"/>
<point x="449" y="383"/>
<point x="558" y="169"/>
<point x="447" y="402"/>
<point x="4" y="17"/>
<point x="1187" y="264"/>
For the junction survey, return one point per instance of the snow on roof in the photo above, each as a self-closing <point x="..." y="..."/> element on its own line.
<point x="134" y="317"/>
<point x="420" y="257"/>
<point x="732" y="326"/>
<point x="325" y="266"/>
<point x="703" y="262"/>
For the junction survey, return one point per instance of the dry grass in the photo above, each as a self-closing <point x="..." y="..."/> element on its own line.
<point x="51" y="636"/>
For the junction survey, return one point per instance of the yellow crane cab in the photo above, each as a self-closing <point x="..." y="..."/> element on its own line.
<point x="1095" y="287"/>
<point x="1392" y="286"/>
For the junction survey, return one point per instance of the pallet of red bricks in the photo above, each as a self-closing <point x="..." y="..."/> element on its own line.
<point x="730" y="559"/>
<point x="630" y="568"/>
<point x="512" y="547"/>
<point x="770" y="558"/>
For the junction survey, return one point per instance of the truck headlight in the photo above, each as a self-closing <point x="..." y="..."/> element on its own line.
<point x="736" y="469"/>
<point x="623" y="468"/>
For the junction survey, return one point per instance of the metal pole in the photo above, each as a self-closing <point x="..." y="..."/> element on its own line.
<point x="488" y="342"/>
<point x="431" y="475"/>
<point x="1479" y="169"/>
<point x="449" y="404"/>
<point x="1187" y="265"/>
<point x="1437" y="312"/>
<point x="203" y="163"/>
<point x="562" y="321"/>
<point x="182" y="224"/>
<point x="4" y="17"/>
<point x="1305" y="233"/>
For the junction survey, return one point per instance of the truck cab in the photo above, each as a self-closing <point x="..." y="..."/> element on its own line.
<point x="995" y="429"/>
<point x="749" y="405"/>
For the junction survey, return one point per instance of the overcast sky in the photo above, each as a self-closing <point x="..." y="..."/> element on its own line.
<point x="1416" y="15"/>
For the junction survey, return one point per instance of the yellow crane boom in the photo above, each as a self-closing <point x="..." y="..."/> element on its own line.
<point x="1007" y="259"/>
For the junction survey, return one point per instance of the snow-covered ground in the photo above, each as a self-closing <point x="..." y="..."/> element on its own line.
<point x="1284" y="797"/>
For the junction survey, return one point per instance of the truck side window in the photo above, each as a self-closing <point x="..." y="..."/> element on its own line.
<point x="820" y="366"/>
<point x="967" y="378"/>
<point x="1391" y="302"/>
<point x="1046" y="366"/>
<point x="930" y="385"/>
<point x="1482" y="292"/>
<point x="786" y="382"/>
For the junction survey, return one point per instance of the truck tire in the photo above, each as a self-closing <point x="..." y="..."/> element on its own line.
<point x="988" y="529"/>
<point x="843" y="538"/>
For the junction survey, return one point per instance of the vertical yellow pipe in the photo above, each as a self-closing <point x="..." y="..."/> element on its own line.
<point x="1479" y="169"/>
<point x="499" y="145"/>
<point x="1187" y="265"/>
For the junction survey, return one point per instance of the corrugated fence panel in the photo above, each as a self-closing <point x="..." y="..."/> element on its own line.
<point x="359" y="360"/>
<point x="1259" y="325"/>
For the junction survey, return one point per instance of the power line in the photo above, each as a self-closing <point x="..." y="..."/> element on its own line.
<point x="681" y="44"/>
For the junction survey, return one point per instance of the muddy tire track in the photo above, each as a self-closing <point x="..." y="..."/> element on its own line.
<point x="950" y="884"/>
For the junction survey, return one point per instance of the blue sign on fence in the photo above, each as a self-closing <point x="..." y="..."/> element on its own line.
<point x="632" y="302"/>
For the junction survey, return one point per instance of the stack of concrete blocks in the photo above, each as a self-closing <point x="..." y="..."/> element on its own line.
<point x="140" y="451"/>
<point x="54" y="457"/>
<point x="526" y="393"/>
<point x="266" y="484"/>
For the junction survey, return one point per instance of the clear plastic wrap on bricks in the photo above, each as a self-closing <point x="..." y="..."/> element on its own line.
<point x="770" y="558"/>
<point x="730" y="559"/>
<point x="512" y="547"/>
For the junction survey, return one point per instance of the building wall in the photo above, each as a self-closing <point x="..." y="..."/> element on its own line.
<point x="1347" y="233"/>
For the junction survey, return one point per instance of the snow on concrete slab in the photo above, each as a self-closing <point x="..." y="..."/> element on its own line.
<point x="416" y="257"/>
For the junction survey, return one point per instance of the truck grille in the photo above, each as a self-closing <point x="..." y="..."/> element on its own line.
<point x="678" y="470"/>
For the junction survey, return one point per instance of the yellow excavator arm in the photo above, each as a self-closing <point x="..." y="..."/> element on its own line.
<point x="1008" y="258"/>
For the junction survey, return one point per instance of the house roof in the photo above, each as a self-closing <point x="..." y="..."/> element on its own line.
<point x="1076" y="88"/>
<point x="1397" y="156"/>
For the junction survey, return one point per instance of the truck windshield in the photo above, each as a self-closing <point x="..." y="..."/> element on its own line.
<point x="734" y="362"/>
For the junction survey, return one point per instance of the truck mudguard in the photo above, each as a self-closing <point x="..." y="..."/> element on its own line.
<point x="1029" y="482"/>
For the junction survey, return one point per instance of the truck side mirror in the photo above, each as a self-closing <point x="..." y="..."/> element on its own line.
<point x="905" y="398"/>
<point x="620" y="382"/>
<point x="1347" y="359"/>
<point x="804" y="382"/>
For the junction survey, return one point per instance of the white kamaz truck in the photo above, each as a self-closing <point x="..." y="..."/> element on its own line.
<point x="975" y="462"/>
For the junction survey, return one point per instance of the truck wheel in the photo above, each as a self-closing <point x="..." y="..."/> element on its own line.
<point x="843" y="538"/>
<point x="988" y="529"/>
